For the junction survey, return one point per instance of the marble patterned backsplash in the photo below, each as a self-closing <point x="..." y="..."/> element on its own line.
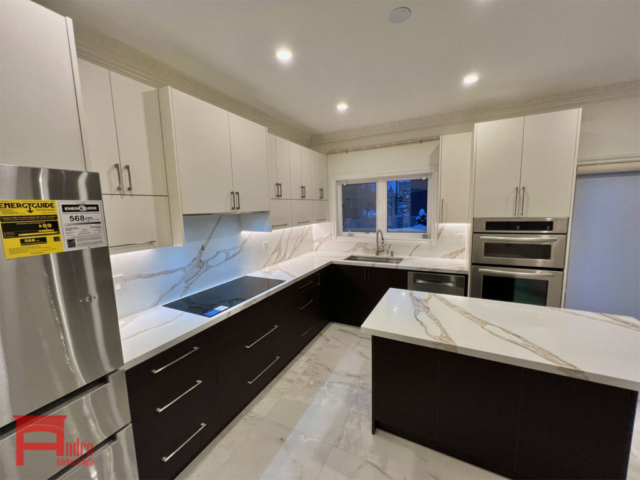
<point x="451" y="242"/>
<point x="216" y="251"/>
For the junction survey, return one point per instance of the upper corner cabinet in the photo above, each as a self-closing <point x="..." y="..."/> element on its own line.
<point x="39" y="120"/>
<point x="455" y="176"/>
<point x="526" y="166"/>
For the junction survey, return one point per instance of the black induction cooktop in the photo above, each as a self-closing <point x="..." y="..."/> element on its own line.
<point x="217" y="299"/>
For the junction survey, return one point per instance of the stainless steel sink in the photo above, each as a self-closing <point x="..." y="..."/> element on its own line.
<point x="372" y="259"/>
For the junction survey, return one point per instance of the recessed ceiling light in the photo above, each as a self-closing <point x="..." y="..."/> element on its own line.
<point x="470" y="79"/>
<point x="342" y="106"/>
<point x="284" y="55"/>
<point x="399" y="15"/>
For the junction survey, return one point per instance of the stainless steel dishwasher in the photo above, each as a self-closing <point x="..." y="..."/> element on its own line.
<point x="437" y="283"/>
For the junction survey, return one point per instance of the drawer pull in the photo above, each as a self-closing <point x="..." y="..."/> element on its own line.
<point x="306" y="305"/>
<point x="310" y="328"/>
<point x="303" y="222"/>
<point x="279" y="225"/>
<point x="158" y="370"/>
<point x="166" y="459"/>
<point x="250" y="382"/>
<point x="305" y="285"/>
<point x="275" y="327"/>
<point x="160" y="410"/>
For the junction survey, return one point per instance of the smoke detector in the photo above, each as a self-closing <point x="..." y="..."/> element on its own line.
<point x="399" y="15"/>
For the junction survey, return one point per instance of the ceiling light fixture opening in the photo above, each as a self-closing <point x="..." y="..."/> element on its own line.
<point x="399" y="15"/>
<point x="284" y="55"/>
<point x="470" y="79"/>
<point x="342" y="107"/>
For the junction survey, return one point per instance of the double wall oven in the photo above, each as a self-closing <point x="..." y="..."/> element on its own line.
<point x="519" y="260"/>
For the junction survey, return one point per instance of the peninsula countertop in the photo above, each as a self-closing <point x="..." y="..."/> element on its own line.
<point x="600" y="348"/>
<point x="150" y="332"/>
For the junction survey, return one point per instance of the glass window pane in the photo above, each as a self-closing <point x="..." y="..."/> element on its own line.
<point x="407" y="206"/>
<point x="359" y="207"/>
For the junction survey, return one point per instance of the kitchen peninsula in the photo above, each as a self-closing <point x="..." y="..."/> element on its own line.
<point x="524" y="391"/>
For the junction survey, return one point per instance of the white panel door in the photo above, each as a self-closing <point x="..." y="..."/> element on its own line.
<point x="280" y="214"/>
<point x="272" y="164"/>
<point x="137" y="113"/>
<point x="249" y="162"/>
<point x="301" y="212"/>
<point x="324" y="176"/>
<point x="283" y="163"/>
<point x="314" y="192"/>
<point x="39" y="122"/>
<point x="497" y="169"/>
<point x="320" y="211"/>
<point x="204" y="155"/>
<point x="307" y="166"/>
<point x="100" y="126"/>
<point x="549" y="164"/>
<point x="296" y="170"/>
<point x="455" y="173"/>
<point x="134" y="220"/>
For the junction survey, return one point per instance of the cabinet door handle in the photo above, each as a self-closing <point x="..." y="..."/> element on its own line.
<point x="158" y="370"/>
<point x="301" y="191"/>
<point x="279" y="225"/>
<point x="160" y="410"/>
<point x="119" y="171"/>
<point x="321" y="193"/>
<point x="275" y="327"/>
<point x="310" y="328"/>
<point x="238" y="197"/>
<point x="305" y="285"/>
<point x="515" y="207"/>
<point x="233" y="200"/>
<point x="277" y="190"/>
<point x="321" y="220"/>
<point x="306" y="305"/>
<point x="522" y="204"/>
<point x="303" y="222"/>
<point x="128" y="169"/>
<point x="250" y="382"/>
<point x="280" y="187"/>
<point x="167" y="458"/>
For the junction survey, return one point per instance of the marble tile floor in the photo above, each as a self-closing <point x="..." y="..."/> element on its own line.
<point x="314" y="422"/>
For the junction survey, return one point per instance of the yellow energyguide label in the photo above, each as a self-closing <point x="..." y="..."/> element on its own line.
<point x="30" y="228"/>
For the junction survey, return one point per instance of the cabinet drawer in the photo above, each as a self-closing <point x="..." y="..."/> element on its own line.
<point x="242" y="353"/>
<point x="307" y="319"/>
<point x="164" y="459"/>
<point x="186" y="360"/>
<point x="238" y="386"/>
<point x="306" y="284"/>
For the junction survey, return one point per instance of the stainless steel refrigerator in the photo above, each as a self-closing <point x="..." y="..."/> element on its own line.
<point x="60" y="350"/>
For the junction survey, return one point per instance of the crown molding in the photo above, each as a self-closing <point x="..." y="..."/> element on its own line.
<point x="529" y="106"/>
<point x="110" y="53"/>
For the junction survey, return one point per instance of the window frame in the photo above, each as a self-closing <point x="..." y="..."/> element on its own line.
<point x="381" y="180"/>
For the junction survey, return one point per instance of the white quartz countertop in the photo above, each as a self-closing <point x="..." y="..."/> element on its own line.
<point x="147" y="333"/>
<point x="589" y="346"/>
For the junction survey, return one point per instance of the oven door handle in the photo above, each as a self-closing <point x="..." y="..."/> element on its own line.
<point x="514" y="239"/>
<point x="519" y="274"/>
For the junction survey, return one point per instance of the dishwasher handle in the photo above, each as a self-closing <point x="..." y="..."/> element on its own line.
<point x="437" y="283"/>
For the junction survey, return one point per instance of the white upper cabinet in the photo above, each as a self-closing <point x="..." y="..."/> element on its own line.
<point x="280" y="214"/>
<point x="497" y="167"/>
<point x="204" y="155"/>
<point x="301" y="213"/>
<point x="455" y="175"/>
<point x="313" y="193"/>
<point x="249" y="162"/>
<point x="320" y="211"/>
<point x="279" y="168"/>
<point x="137" y="115"/>
<point x="307" y="160"/>
<point x="100" y="131"/>
<point x="526" y="167"/>
<point x="296" y="170"/>
<point x="549" y="155"/>
<point x="39" y="121"/>
<point x="324" y="176"/>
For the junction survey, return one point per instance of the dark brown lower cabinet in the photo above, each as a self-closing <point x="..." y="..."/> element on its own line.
<point x="183" y="397"/>
<point x="357" y="290"/>
<point x="514" y="421"/>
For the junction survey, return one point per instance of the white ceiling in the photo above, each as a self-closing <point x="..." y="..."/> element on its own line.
<point x="348" y="51"/>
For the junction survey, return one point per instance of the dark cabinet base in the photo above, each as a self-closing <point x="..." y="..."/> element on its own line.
<point x="514" y="421"/>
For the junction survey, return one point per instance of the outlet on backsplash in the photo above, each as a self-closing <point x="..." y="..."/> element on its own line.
<point x="265" y="246"/>
<point x="117" y="282"/>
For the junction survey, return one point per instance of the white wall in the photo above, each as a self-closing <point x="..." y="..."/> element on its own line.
<point x="402" y="158"/>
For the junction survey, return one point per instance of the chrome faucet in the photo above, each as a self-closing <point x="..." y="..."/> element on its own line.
<point x="379" y="244"/>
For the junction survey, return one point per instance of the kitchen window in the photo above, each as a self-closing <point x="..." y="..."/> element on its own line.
<point x="399" y="206"/>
